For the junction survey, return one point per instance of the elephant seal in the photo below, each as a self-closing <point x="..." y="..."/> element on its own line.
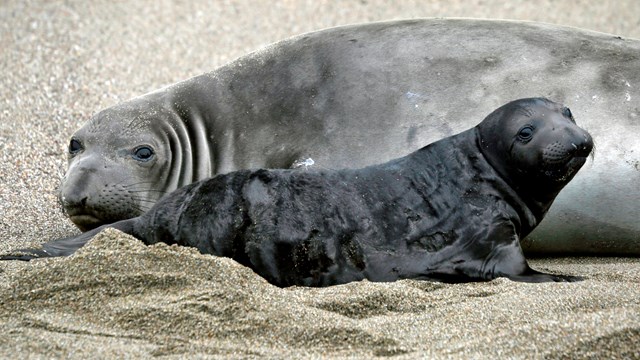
<point x="452" y="211"/>
<point x="328" y="96"/>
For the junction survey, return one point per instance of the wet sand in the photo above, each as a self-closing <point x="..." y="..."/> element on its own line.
<point x="62" y="62"/>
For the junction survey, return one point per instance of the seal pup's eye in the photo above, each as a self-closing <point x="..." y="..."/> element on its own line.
<point x="525" y="133"/>
<point x="567" y="113"/>
<point x="75" y="147"/>
<point x="143" y="153"/>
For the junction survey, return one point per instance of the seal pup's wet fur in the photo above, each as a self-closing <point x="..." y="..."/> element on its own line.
<point x="454" y="210"/>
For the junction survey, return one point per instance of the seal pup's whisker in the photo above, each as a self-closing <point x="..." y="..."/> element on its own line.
<point x="592" y="154"/>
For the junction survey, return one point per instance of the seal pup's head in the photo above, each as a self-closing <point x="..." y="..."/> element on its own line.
<point x="535" y="145"/>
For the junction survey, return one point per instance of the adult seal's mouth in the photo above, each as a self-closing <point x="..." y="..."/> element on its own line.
<point x="85" y="221"/>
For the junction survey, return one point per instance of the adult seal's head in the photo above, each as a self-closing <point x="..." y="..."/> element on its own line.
<point x="535" y="145"/>
<point x="127" y="157"/>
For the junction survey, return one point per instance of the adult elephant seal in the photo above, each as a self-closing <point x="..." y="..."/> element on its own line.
<point x="454" y="210"/>
<point x="358" y="95"/>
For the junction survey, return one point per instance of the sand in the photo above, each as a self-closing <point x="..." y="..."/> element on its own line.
<point x="63" y="61"/>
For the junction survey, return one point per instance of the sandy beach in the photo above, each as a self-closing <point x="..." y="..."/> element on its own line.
<point x="116" y="298"/>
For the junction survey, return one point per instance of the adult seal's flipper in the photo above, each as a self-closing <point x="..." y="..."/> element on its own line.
<point x="61" y="247"/>
<point x="25" y="255"/>
<point x="65" y="246"/>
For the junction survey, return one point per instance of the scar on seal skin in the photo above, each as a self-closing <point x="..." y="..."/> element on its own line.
<point x="452" y="211"/>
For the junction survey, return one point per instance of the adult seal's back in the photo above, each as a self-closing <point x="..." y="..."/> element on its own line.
<point x="454" y="210"/>
<point x="357" y="95"/>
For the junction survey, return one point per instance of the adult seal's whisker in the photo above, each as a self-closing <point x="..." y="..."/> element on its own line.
<point x="145" y="203"/>
<point x="146" y="191"/>
<point x="137" y="184"/>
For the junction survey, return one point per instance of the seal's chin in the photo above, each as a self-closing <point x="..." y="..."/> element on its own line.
<point x="86" y="222"/>
<point x="564" y="173"/>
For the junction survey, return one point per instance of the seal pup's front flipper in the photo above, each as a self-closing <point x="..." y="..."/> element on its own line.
<point x="490" y="254"/>
<point x="507" y="258"/>
<point x="533" y="276"/>
<point x="66" y="246"/>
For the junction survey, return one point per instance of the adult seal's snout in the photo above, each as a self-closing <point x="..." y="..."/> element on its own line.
<point x="90" y="198"/>
<point x="114" y="174"/>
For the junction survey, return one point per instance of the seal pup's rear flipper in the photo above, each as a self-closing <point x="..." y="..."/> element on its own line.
<point x="66" y="246"/>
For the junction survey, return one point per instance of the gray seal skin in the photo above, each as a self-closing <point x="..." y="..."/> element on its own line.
<point x="357" y="95"/>
<point x="452" y="211"/>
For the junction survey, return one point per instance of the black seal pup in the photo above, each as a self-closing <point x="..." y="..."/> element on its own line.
<point x="454" y="210"/>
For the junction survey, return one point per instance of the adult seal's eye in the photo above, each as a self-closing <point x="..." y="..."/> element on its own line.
<point x="143" y="153"/>
<point x="567" y="113"/>
<point x="75" y="147"/>
<point x="525" y="133"/>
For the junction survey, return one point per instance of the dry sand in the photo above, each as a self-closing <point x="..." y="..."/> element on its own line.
<point x="63" y="61"/>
